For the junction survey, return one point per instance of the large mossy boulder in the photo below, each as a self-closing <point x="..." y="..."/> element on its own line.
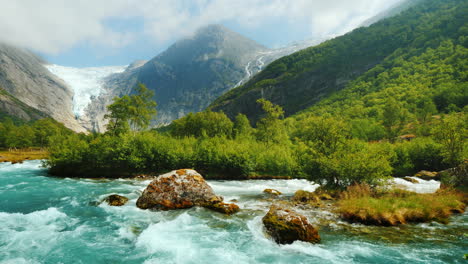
<point x="286" y="226"/>
<point x="182" y="189"/>
<point x="116" y="200"/>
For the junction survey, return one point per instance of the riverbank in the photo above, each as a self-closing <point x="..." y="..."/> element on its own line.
<point x="20" y="155"/>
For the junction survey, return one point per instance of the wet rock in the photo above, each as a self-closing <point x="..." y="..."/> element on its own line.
<point x="286" y="226"/>
<point x="455" y="177"/>
<point x="116" y="200"/>
<point x="427" y="175"/>
<point x="225" y="208"/>
<point x="305" y="197"/>
<point x="182" y="189"/>
<point x="272" y="192"/>
<point x="409" y="179"/>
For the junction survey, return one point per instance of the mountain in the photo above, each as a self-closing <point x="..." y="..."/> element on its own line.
<point x="15" y="109"/>
<point x="394" y="10"/>
<point x="186" y="77"/>
<point x="307" y="77"/>
<point x="29" y="91"/>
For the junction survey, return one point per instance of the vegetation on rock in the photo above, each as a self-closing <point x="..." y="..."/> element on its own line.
<point x="362" y="204"/>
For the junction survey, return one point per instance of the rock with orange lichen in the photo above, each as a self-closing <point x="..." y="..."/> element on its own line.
<point x="286" y="226"/>
<point x="225" y="208"/>
<point x="181" y="189"/>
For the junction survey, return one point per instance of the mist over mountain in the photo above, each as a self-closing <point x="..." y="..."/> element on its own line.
<point x="307" y="77"/>
<point x="190" y="74"/>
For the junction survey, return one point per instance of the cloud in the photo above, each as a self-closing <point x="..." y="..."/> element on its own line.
<point x="53" y="26"/>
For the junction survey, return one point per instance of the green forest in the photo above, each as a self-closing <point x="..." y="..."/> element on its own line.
<point x="432" y="35"/>
<point x="407" y="113"/>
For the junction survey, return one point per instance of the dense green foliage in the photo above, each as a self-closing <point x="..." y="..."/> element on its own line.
<point x="35" y="134"/>
<point x="415" y="56"/>
<point x="131" y="111"/>
<point x="404" y="114"/>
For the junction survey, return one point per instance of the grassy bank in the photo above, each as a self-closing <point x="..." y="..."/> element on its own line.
<point x="363" y="205"/>
<point x="20" y="155"/>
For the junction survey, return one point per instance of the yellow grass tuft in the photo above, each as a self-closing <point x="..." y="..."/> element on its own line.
<point x="20" y="155"/>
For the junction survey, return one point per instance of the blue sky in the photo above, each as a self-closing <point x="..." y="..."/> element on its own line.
<point x="116" y="32"/>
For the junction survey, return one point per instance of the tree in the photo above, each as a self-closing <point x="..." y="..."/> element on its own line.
<point x="142" y="108"/>
<point x="324" y="134"/>
<point x="425" y="111"/>
<point x="270" y="128"/>
<point x="133" y="112"/>
<point x="242" y="127"/>
<point x="203" y="124"/>
<point x="20" y="137"/>
<point x="452" y="133"/>
<point x="392" y="117"/>
<point x="44" y="129"/>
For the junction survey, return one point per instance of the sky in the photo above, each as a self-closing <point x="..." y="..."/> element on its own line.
<point x="86" y="33"/>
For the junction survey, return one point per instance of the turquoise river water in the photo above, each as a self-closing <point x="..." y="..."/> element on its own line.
<point x="59" y="220"/>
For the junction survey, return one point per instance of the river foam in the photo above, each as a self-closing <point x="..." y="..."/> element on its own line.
<point x="56" y="220"/>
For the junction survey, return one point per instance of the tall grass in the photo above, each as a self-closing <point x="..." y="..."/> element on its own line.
<point x="361" y="204"/>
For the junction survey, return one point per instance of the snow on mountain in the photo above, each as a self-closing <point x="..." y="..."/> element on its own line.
<point x="85" y="82"/>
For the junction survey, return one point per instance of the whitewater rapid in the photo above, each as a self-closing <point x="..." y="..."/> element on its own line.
<point x="60" y="220"/>
<point x="86" y="83"/>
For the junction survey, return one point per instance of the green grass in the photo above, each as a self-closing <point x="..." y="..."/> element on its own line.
<point x="20" y="155"/>
<point x="389" y="208"/>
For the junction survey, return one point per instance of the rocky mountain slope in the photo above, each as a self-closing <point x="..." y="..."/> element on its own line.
<point x="27" y="84"/>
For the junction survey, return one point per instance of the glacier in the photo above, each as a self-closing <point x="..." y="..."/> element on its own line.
<point x="86" y="83"/>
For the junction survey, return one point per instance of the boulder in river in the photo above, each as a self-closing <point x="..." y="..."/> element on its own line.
<point x="427" y="175"/>
<point x="302" y="196"/>
<point x="272" y="192"/>
<point x="116" y="200"/>
<point x="181" y="189"/>
<point x="225" y="208"/>
<point x="409" y="179"/>
<point x="286" y="226"/>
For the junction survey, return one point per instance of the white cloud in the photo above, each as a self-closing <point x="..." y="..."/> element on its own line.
<point x="53" y="26"/>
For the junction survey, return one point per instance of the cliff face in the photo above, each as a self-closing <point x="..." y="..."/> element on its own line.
<point x="23" y="76"/>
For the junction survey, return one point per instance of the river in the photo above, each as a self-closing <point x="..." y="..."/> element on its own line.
<point x="59" y="220"/>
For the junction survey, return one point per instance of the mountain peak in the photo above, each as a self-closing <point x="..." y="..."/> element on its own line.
<point x="210" y="42"/>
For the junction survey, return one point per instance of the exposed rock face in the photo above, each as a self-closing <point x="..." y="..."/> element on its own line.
<point x="11" y="106"/>
<point x="286" y="226"/>
<point x="116" y="200"/>
<point x="182" y="189"/>
<point x="24" y="77"/>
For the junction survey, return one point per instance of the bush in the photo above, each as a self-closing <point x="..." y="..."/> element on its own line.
<point x="416" y="155"/>
<point x="355" y="162"/>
